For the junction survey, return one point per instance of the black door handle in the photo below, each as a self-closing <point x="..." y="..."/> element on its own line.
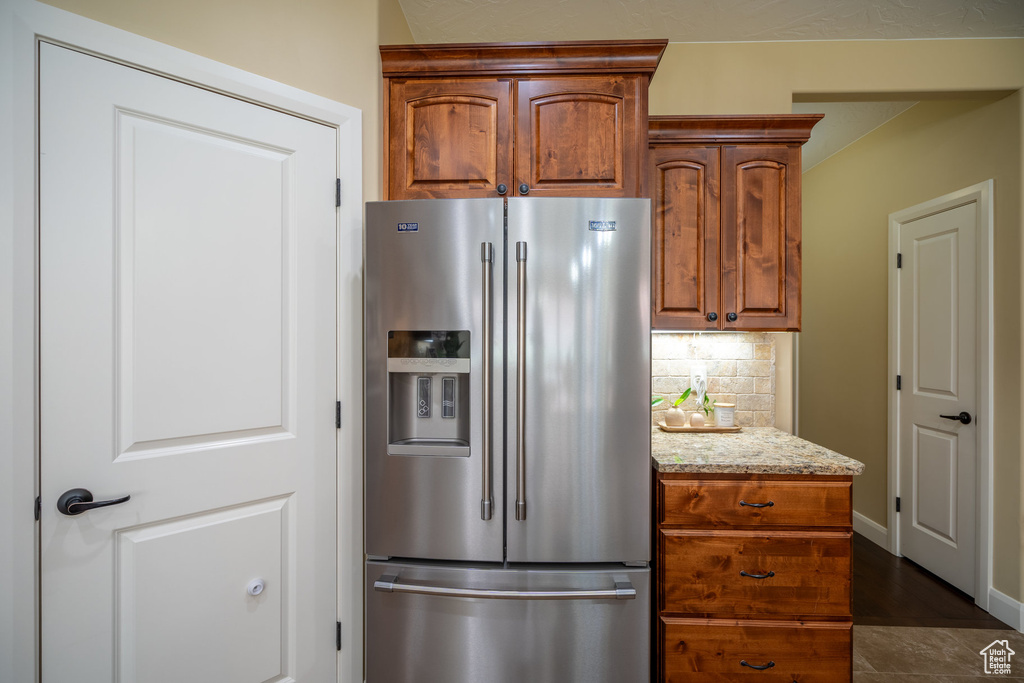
<point x="77" y="501"/>
<point x="964" y="417"/>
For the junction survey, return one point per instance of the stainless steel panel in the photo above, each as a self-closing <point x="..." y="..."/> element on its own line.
<point x="586" y="443"/>
<point x="428" y="638"/>
<point x="423" y="500"/>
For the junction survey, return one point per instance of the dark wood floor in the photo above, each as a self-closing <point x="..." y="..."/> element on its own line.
<point x="893" y="591"/>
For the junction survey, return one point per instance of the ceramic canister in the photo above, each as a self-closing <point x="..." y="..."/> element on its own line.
<point x="725" y="414"/>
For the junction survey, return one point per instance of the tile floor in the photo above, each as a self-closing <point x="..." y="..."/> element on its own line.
<point x="905" y="654"/>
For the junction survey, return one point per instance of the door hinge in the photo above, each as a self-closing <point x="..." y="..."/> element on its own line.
<point x="337" y="192"/>
<point x="39" y="507"/>
<point x="337" y="414"/>
<point x="897" y="503"/>
<point x="337" y="637"/>
<point x="899" y="383"/>
<point x="899" y="260"/>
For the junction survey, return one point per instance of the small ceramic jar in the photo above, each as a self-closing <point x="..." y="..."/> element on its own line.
<point x="725" y="414"/>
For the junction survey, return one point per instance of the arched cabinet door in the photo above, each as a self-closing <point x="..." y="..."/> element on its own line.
<point x="449" y="138"/>
<point x="578" y="136"/>
<point x="685" y="222"/>
<point x="761" y="237"/>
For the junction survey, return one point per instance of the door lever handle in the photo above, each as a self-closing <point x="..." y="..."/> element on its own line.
<point x="964" y="417"/>
<point x="77" y="501"/>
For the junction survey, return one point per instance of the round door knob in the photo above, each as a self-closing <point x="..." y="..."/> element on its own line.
<point x="77" y="501"/>
<point x="502" y="188"/>
<point x="712" y="316"/>
<point x="524" y="189"/>
<point x="731" y="317"/>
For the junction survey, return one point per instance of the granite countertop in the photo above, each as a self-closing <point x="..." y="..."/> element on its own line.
<point x="754" y="450"/>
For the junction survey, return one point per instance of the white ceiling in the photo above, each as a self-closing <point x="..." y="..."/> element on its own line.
<point x="473" y="21"/>
<point x="470" y="21"/>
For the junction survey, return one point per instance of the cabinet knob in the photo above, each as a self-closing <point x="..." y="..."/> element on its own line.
<point x="524" y="189"/>
<point x="712" y="316"/>
<point x="502" y="188"/>
<point x="731" y="317"/>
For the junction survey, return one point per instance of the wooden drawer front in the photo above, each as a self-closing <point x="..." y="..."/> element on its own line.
<point x="701" y="573"/>
<point x="711" y="650"/>
<point x="723" y="503"/>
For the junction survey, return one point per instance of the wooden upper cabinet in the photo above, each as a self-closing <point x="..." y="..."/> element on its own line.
<point x="545" y="119"/>
<point x="726" y="216"/>
<point x="427" y="116"/>
<point x="685" y="197"/>
<point x="761" y="237"/>
<point x="578" y="136"/>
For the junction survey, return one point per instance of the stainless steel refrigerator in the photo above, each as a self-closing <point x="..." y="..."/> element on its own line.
<point x="507" y="443"/>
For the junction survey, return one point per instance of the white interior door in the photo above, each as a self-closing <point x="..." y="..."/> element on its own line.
<point x="937" y="360"/>
<point x="188" y="359"/>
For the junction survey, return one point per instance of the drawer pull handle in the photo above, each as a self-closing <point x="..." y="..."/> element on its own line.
<point x="759" y="667"/>
<point x="758" y="576"/>
<point x="769" y="504"/>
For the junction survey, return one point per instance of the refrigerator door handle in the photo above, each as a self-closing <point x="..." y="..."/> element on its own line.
<point x="623" y="590"/>
<point x="521" y="383"/>
<point x="487" y="498"/>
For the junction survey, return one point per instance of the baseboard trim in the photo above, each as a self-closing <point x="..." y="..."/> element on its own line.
<point x="871" y="530"/>
<point x="1006" y="609"/>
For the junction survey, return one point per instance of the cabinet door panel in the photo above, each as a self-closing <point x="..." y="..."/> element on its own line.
<point x="712" y="650"/>
<point x="761" y="226"/>
<point x="578" y="136"/>
<point x="743" y="574"/>
<point x="686" y="237"/>
<point x="449" y="138"/>
<point x="711" y="503"/>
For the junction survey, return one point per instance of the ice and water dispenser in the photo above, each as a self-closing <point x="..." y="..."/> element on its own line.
<point x="428" y="392"/>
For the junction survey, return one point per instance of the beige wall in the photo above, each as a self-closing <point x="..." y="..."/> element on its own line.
<point x="723" y="78"/>
<point x="327" y="47"/>
<point x="932" y="149"/>
<point x="761" y="78"/>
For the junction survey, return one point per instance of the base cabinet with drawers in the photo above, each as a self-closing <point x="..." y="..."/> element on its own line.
<point x="753" y="577"/>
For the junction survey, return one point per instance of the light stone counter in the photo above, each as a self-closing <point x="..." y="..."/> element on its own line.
<point x="755" y="450"/>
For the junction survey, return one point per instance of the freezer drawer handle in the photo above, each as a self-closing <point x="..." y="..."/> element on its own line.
<point x="486" y="498"/>
<point x="521" y="385"/>
<point x="388" y="583"/>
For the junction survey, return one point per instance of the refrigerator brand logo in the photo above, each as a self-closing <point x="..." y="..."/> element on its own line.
<point x="408" y="227"/>
<point x="602" y="226"/>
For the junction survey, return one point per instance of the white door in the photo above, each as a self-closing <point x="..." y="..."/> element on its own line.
<point x="187" y="331"/>
<point x="937" y="321"/>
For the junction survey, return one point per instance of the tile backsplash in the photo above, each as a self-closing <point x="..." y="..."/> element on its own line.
<point x="740" y="369"/>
